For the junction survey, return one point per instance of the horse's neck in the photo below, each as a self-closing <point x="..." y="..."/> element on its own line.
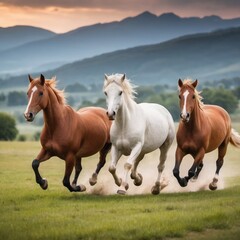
<point x="126" y="112"/>
<point x="53" y="113"/>
<point x="197" y="118"/>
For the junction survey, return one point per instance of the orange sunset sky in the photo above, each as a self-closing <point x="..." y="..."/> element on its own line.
<point x="64" y="15"/>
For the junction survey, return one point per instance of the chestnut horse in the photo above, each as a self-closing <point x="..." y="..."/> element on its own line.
<point x="203" y="129"/>
<point x="67" y="134"/>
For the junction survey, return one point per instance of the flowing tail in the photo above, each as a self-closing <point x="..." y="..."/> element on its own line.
<point x="235" y="138"/>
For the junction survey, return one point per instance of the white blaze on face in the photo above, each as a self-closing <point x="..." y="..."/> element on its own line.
<point x="184" y="111"/>
<point x="34" y="89"/>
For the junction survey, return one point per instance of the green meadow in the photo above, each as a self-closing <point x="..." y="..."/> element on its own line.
<point x="28" y="212"/>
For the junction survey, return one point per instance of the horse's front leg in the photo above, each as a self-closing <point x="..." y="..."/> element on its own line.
<point x="128" y="165"/>
<point x="69" y="164"/>
<point x="197" y="165"/>
<point x="163" y="156"/>
<point x="178" y="160"/>
<point x="42" y="156"/>
<point x="102" y="160"/>
<point x="115" y="155"/>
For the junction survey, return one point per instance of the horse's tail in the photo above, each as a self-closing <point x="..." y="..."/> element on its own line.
<point x="235" y="138"/>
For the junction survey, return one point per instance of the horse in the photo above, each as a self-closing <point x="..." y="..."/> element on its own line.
<point x="67" y="134"/>
<point x="202" y="129"/>
<point x="137" y="129"/>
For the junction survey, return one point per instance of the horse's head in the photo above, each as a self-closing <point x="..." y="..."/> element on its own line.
<point x="37" y="97"/>
<point x="187" y="98"/>
<point x="113" y="91"/>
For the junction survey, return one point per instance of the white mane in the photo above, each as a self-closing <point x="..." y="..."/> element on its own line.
<point x="124" y="83"/>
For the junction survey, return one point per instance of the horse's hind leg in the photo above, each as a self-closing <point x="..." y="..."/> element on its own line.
<point x="158" y="186"/>
<point x="221" y="153"/>
<point x="102" y="160"/>
<point x="70" y="161"/>
<point x="134" y="175"/>
<point x="163" y="156"/>
<point x="78" y="169"/>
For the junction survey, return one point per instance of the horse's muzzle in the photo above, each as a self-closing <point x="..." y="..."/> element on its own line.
<point x="185" y="117"/>
<point x="29" y="116"/>
<point x="111" y="115"/>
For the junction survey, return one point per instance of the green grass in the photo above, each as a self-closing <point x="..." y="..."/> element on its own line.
<point x="28" y="212"/>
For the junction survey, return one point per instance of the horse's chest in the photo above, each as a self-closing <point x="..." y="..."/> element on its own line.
<point x="123" y="145"/>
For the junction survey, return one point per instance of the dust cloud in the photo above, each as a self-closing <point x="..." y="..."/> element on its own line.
<point x="148" y="168"/>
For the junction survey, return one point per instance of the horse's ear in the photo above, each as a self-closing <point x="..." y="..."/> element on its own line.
<point x="42" y="79"/>
<point x="180" y="83"/>
<point x="105" y="77"/>
<point x="30" y="78"/>
<point x="194" y="84"/>
<point x="123" y="77"/>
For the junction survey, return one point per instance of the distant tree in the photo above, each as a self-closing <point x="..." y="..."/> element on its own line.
<point x="2" y="97"/>
<point x="221" y="97"/>
<point x="21" y="138"/>
<point x="36" y="136"/>
<point x="76" y="87"/>
<point x="236" y="92"/>
<point x="8" y="130"/>
<point x="16" y="98"/>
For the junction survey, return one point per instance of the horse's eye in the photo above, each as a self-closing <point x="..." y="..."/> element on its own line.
<point x="40" y="93"/>
<point x="105" y="93"/>
<point x="193" y="96"/>
<point x="179" y="96"/>
<point x="120" y="93"/>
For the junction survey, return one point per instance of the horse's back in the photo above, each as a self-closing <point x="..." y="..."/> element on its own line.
<point x="217" y="116"/>
<point x="156" y="111"/>
<point x="159" y="121"/>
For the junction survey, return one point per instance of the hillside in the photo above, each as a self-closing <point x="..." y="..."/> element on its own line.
<point x="93" y="40"/>
<point x="18" y="35"/>
<point x="208" y="56"/>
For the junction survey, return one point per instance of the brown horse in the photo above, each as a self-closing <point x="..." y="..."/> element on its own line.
<point x="67" y="134"/>
<point x="203" y="129"/>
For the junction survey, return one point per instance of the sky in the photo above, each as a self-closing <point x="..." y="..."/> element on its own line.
<point x="65" y="15"/>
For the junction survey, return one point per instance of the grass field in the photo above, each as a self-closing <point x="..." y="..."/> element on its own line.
<point x="28" y="212"/>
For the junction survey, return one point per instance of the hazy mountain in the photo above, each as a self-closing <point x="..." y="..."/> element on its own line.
<point x="208" y="56"/>
<point x="93" y="40"/>
<point x="15" y="36"/>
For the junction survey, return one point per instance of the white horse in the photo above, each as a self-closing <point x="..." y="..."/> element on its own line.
<point x="137" y="129"/>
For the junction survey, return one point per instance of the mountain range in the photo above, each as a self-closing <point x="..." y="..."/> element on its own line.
<point x="205" y="56"/>
<point x="50" y="50"/>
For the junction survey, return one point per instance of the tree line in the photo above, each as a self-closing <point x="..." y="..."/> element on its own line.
<point x="164" y="95"/>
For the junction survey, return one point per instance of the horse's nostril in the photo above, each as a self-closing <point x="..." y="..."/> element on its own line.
<point x="181" y="116"/>
<point x="30" y="115"/>
<point x="114" y="113"/>
<point x="188" y="115"/>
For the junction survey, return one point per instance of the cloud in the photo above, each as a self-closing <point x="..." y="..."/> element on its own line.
<point x="127" y="4"/>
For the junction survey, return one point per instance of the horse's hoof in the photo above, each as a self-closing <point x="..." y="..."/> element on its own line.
<point x="138" y="180"/>
<point x="79" y="188"/>
<point x="119" y="182"/>
<point x="183" y="182"/>
<point x="44" y="184"/>
<point x="126" y="186"/>
<point x="212" y="186"/>
<point x="82" y="188"/>
<point x="194" y="179"/>
<point x="93" y="179"/>
<point x="155" y="190"/>
<point x="121" y="192"/>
